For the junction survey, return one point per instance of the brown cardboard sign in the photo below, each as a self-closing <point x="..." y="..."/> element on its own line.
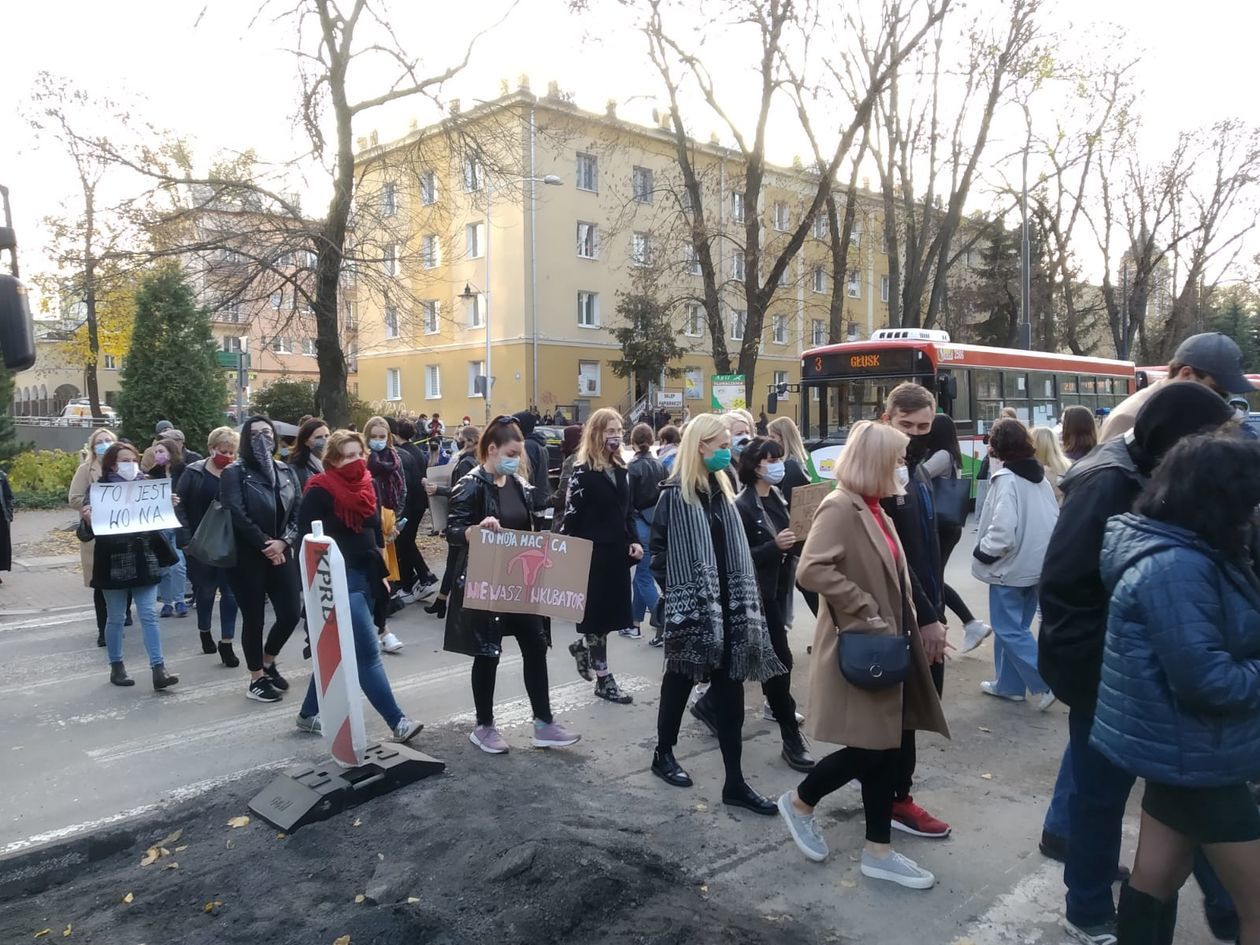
<point x="805" y="502"/>
<point x="517" y="572"/>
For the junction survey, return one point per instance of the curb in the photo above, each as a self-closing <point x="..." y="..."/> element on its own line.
<point x="46" y="563"/>
<point x="35" y="869"/>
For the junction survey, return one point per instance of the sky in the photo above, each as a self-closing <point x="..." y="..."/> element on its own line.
<point x="222" y="74"/>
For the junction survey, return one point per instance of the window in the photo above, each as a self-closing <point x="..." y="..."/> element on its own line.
<point x="588" y="378"/>
<point x="472" y="174"/>
<point x="739" y="321"/>
<point x="818" y="332"/>
<point x="818" y="279"/>
<point x="111" y="363"/>
<point x="781" y="377"/>
<point x="685" y="201"/>
<point x="886" y="248"/>
<point x="855" y="287"/>
<point x="691" y="259"/>
<point x="429" y="309"/>
<point x="738" y="270"/>
<point x="352" y="315"/>
<point x="281" y="345"/>
<point x="233" y="344"/>
<point x="587" y="172"/>
<point x="391" y="321"/>
<point x="429" y="251"/>
<point x="781" y="216"/>
<point x="737" y="208"/>
<point x="428" y="188"/>
<point x="820" y="226"/>
<point x="588" y="310"/>
<point x="474" y="311"/>
<point x="785" y="277"/>
<point x="476" y="370"/>
<point x="277" y="299"/>
<point x="588" y="240"/>
<point x="393" y="384"/>
<point x="780" y="330"/>
<point x="475" y="240"/>
<point x="389" y="199"/>
<point x="308" y="347"/>
<point x="641" y="184"/>
<point x="352" y="358"/>
<point x="855" y="235"/>
<point x="641" y="249"/>
<point x="693" y="383"/>
<point x="432" y="382"/>
<point x="694" y="326"/>
<point x="884" y="287"/>
<point x="391" y="259"/>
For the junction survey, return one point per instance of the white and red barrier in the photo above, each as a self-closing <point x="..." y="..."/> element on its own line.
<point x="327" y="600"/>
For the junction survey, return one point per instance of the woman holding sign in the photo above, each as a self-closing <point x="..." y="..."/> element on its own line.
<point x="89" y="471"/>
<point x="126" y="566"/>
<point x="343" y="498"/>
<point x="494" y="497"/>
<point x="598" y="508"/>
<point x="713" y="622"/>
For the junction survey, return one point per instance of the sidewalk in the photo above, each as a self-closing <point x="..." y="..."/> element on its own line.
<point x="45" y="573"/>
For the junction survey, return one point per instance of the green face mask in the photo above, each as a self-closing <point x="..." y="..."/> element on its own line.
<point x="719" y="460"/>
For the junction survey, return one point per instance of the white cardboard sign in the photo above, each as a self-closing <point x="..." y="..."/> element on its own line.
<point x="123" y="508"/>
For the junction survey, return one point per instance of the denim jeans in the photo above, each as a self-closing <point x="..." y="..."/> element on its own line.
<point x="645" y="593"/>
<point x="1011" y="611"/>
<point x="1096" y="814"/>
<point x="145" y="599"/>
<point x="1058" y="820"/>
<point x="206" y="581"/>
<point x="367" y="654"/>
<point x="171" y="588"/>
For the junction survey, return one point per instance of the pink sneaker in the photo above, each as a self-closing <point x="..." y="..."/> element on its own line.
<point x="488" y="739"/>
<point x="551" y="735"/>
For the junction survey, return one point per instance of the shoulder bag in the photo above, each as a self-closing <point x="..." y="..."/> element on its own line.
<point x="214" y="542"/>
<point x="952" y="497"/>
<point x="872" y="660"/>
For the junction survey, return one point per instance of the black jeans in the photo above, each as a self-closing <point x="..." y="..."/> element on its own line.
<point x="908" y="753"/>
<point x="727" y="696"/>
<point x="949" y="536"/>
<point x="411" y="564"/>
<point x="485" y="670"/>
<point x="255" y="580"/>
<point x="778" y="689"/>
<point x="877" y="770"/>
<point x="448" y="576"/>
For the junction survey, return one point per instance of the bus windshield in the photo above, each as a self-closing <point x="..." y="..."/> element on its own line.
<point x="840" y="404"/>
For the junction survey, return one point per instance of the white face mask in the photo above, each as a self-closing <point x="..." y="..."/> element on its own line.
<point x="903" y="476"/>
<point x="127" y="470"/>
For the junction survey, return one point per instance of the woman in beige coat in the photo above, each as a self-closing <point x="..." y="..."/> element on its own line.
<point x="853" y="560"/>
<point x="89" y="471"/>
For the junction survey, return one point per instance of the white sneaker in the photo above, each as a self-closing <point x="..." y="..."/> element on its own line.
<point x="898" y="869"/>
<point x="406" y="730"/>
<point x="407" y="597"/>
<point x="391" y="643"/>
<point x="423" y="589"/>
<point x="697" y="691"/>
<point x="767" y="713"/>
<point x="1047" y="699"/>
<point x="989" y="688"/>
<point x="975" y="632"/>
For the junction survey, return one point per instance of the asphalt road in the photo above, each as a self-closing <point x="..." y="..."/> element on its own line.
<point x="79" y="753"/>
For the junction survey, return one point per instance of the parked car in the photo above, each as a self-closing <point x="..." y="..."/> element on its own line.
<point x="78" y="413"/>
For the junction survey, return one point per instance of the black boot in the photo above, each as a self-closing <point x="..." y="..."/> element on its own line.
<point x="437" y="608"/>
<point x="118" y="675"/>
<point x="207" y="642"/>
<point x="666" y="767"/>
<point x="1167" y="922"/>
<point x="100" y="637"/>
<point x="1139" y="918"/>
<point x="704" y="711"/>
<point x="161" y="678"/>
<point x="227" y="655"/>
<point x="796" y="751"/>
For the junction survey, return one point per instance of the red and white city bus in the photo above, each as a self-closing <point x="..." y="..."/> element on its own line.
<point x="844" y="383"/>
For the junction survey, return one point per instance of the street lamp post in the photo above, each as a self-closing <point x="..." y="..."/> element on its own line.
<point x="1025" y="249"/>
<point x="488" y="380"/>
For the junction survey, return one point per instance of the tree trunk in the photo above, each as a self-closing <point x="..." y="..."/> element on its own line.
<point x="89" y="304"/>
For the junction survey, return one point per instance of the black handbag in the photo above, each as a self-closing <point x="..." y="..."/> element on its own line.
<point x="214" y="542"/>
<point x="872" y="660"/>
<point x="953" y="501"/>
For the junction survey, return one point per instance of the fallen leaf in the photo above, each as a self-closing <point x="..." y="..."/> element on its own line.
<point x="358" y="822"/>
<point x="987" y="777"/>
<point x="173" y="838"/>
<point x="68" y="932"/>
<point x="343" y="940"/>
<point x="241" y="821"/>
<point x="847" y="883"/>
<point x="162" y="851"/>
<point x="213" y="905"/>
<point x="181" y="849"/>
<point x="701" y="807"/>
<point x="42" y="932"/>
<point x="359" y="898"/>
<point x="150" y="857"/>
<point x="129" y="898"/>
<point x="229" y="844"/>
<point x="983" y="729"/>
<point x="704" y="889"/>
<point x="173" y="865"/>
<point x="411" y="899"/>
<point x="282" y="836"/>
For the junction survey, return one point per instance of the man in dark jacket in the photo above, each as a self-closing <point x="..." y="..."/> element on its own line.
<point x="414" y="574"/>
<point x="536" y="453"/>
<point x="1074" y="606"/>
<point x="910" y="409"/>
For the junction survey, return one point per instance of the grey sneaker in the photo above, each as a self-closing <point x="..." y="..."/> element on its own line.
<point x="804" y="830"/>
<point x="1102" y="933"/>
<point x="553" y="735"/>
<point x="311" y="726"/>
<point x="989" y="688"/>
<point x="630" y="633"/>
<point x="975" y="632"/>
<point x="406" y="730"/>
<point x="897" y="869"/>
<point x="488" y="739"/>
<point x="767" y="713"/>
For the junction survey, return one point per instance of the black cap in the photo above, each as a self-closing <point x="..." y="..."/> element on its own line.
<point x="1175" y="411"/>
<point x="163" y="426"/>
<point x="1217" y="355"/>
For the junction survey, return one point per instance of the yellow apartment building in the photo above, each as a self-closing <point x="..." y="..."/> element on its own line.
<point x="511" y="239"/>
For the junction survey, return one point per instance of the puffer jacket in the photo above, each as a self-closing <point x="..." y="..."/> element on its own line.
<point x="1179" y="700"/>
<point x="1015" y="526"/>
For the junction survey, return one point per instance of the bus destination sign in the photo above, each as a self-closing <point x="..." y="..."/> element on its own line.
<point x="864" y="363"/>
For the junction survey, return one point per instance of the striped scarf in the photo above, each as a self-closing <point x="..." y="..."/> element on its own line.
<point x="702" y="631"/>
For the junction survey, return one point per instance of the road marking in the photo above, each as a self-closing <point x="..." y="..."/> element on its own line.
<point x="48" y="621"/>
<point x="564" y="698"/>
<point x="1024" y="914"/>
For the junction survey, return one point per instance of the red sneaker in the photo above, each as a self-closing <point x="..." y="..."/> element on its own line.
<point x="909" y="817"/>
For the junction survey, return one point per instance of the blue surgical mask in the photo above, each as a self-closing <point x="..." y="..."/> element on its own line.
<point x="738" y="444"/>
<point x="102" y="447"/>
<point x="508" y="465"/>
<point x="377" y="445"/>
<point x="318" y="444"/>
<point x="774" y="473"/>
<point x="720" y="460"/>
<point x="284" y="452"/>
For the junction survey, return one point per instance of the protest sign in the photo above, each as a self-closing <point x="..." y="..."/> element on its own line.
<point x="123" y="508"/>
<point x="538" y="573"/>
<point x="439" y="505"/>
<point x="805" y="502"/>
<point x="728" y="392"/>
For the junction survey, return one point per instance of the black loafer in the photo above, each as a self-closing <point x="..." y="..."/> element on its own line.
<point x="666" y="767"/>
<point x="703" y="710"/>
<point x="744" y="796"/>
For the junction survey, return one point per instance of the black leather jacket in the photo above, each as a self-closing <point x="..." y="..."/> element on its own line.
<point x="465" y="463"/>
<point x="774" y="574"/>
<point x="252" y="501"/>
<point x="646" y="475"/>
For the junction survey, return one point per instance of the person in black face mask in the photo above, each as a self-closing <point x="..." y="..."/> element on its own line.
<point x="910" y="409"/>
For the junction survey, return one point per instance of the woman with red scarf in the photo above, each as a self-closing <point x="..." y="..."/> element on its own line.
<point x="385" y="464"/>
<point x="343" y="498"/>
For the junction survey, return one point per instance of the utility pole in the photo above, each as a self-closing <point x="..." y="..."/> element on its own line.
<point x="1025" y="273"/>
